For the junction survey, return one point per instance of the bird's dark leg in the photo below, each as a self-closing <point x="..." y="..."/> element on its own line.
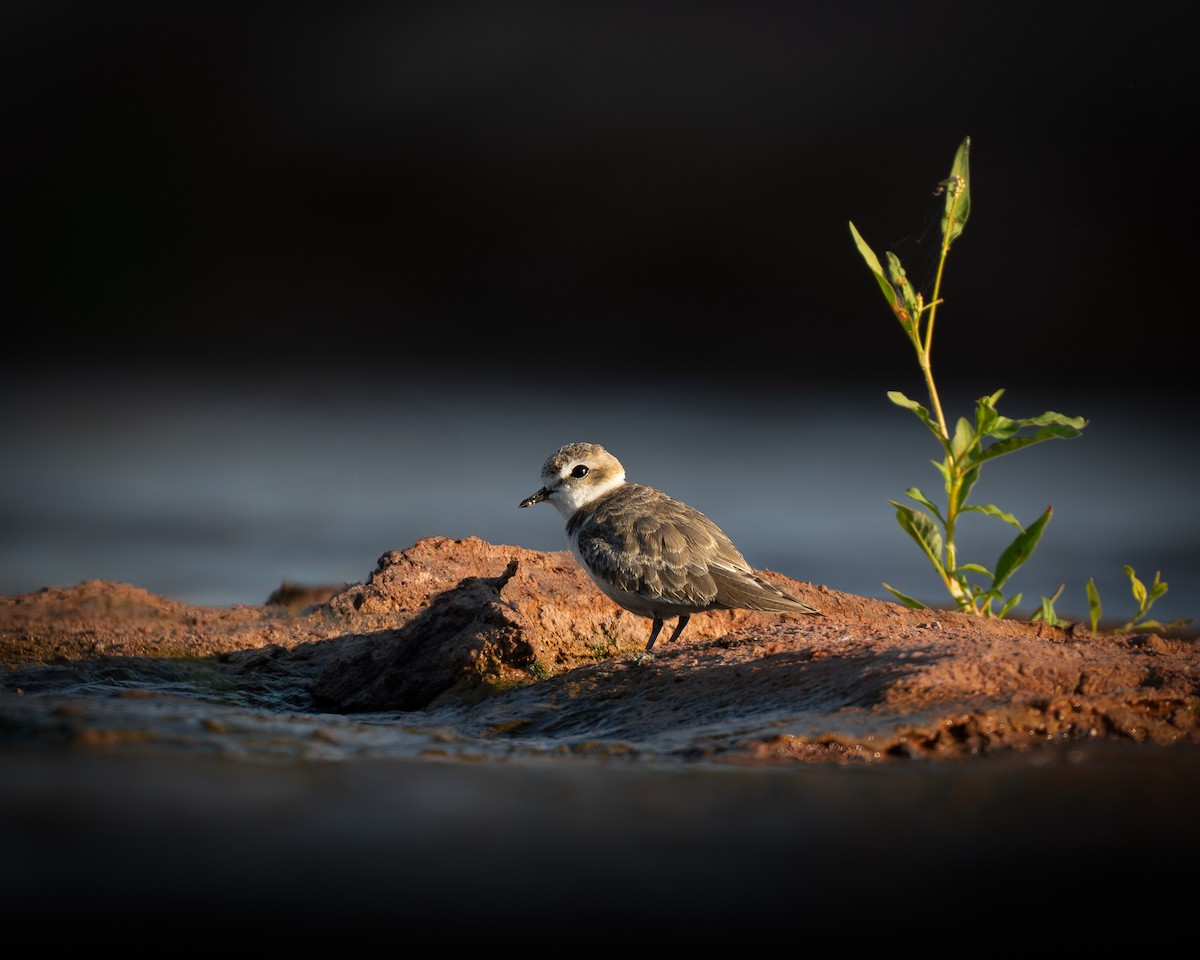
<point x="679" y="625"/>
<point x="654" y="632"/>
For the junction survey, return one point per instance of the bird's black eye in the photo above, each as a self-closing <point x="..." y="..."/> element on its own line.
<point x="579" y="472"/>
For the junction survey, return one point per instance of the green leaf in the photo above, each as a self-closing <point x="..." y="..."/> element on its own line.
<point x="1001" y="428"/>
<point x="901" y="400"/>
<point x="1047" y="426"/>
<point x="912" y="305"/>
<point x="889" y="292"/>
<point x="974" y="568"/>
<point x="1058" y="419"/>
<point x="994" y="511"/>
<point x="1008" y="605"/>
<point x="1017" y="552"/>
<point x="1058" y="424"/>
<point x="1046" y="612"/>
<point x="869" y="256"/>
<point x="1157" y="589"/>
<point x="905" y="599"/>
<point x="958" y="194"/>
<point x="1094" y="608"/>
<point x="964" y="438"/>
<point x="965" y="485"/>
<point x="1001" y="447"/>
<point x="1146" y="600"/>
<point x="915" y="494"/>
<point x="985" y="417"/>
<point x="923" y="530"/>
<point x="1139" y="588"/>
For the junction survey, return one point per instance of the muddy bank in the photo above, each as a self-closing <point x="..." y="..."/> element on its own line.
<point x="470" y="742"/>
<point x="515" y="652"/>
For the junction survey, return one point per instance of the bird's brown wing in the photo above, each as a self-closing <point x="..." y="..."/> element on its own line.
<point x="647" y="543"/>
<point x="672" y="557"/>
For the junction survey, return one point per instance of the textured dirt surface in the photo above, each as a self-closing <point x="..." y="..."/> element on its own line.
<point x="520" y="647"/>
<point x="470" y="742"/>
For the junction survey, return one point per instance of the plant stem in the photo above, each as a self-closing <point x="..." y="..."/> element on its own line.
<point x="927" y="370"/>
<point x="926" y="349"/>
<point x="952" y="486"/>
<point x="953" y="469"/>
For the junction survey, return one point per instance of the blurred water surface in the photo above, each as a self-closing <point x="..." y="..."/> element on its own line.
<point x="215" y="491"/>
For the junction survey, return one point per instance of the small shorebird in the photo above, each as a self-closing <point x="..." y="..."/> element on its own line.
<point x="656" y="557"/>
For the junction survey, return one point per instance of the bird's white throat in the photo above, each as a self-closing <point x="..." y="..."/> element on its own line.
<point x="573" y="493"/>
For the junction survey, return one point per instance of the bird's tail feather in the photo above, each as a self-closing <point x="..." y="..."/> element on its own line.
<point x="751" y="592"/>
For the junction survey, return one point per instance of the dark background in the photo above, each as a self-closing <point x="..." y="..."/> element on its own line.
<point x="292" y="285"/>
<point x="223" y="218"/>
<point x="559" y="191"/>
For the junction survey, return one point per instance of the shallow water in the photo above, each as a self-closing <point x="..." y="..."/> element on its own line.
<point x="221" y="708"/>
<point x="235" y="846"/>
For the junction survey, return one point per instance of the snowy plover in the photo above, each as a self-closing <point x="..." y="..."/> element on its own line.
<point x="656" y="557"/>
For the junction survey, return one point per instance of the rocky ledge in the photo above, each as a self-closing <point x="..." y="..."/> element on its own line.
<point x="506" y="643"/>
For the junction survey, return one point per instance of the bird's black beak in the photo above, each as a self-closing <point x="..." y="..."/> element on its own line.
<point x="533" y="498"/>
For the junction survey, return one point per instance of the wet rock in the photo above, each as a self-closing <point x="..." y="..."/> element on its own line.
<point x="467" y="641"/>
<point x="524" y="645"/>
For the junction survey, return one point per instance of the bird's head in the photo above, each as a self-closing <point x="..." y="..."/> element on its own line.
<point x="575" y="475"/>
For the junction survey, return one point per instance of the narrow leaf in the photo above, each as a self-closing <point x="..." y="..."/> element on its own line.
<point x="1139" y="588"/>
<point x="964" y="438"/>
<point x="904" y="598"/>
<point x="974" y="568"/>
<point x="915" y="494"/>
<point x="1051" y="418"/>
<point x="965" y="487"/>
<point x="1008" y="605"/>
<point x="923" y="530"/>
<point x="872" y="261"/>
<point x="958" y="194"/>
<point x="912" y="307"/>
<point x="901" y="400"/>
<point x="985" y="413"/>
<point x="1001" y="447"/>
<point x="1094" y="608"/>
<point x="994" y="511"/>
<point x="1047" y="613"/>
<point x="1017" y="552"/>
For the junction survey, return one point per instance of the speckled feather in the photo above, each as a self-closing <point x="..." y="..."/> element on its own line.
<point x="669" y="556"/>
<point x="650" y="553"/>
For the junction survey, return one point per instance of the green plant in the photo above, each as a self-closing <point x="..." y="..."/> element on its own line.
<point x="1144" y="599"/>
<point x="1046" y="613"/>
<point x="971" y="586"/>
